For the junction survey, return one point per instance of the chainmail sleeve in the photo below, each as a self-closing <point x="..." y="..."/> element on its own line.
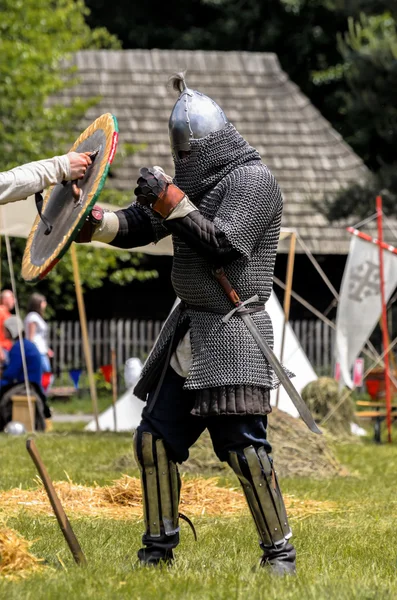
<point x="252" y="200"/>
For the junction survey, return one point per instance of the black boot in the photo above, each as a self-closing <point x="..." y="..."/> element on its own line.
<point x="152" y="557"/>
<point x="280" y="559"/>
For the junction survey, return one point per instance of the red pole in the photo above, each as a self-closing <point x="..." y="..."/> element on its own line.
<point x="384" y="316"/>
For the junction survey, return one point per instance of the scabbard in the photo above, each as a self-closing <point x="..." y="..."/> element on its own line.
<point x="285" y="381"/>
<point x="240" y="310"/>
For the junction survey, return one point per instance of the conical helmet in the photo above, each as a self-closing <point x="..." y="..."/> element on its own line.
<point x="193" y="117"/>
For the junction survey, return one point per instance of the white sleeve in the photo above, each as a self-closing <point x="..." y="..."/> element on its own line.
<point x="108" y="229"/>
<point x="32" y="317"/>
<point x="21" y="182"/>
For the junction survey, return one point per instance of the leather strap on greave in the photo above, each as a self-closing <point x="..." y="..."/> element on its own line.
<point x="263" y="494"/>
<point x="160" y="486"/>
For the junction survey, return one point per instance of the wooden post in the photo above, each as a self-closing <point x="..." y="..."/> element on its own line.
<point x="384" y="316"/>
<point x="287" y="297"/>
<point x="21" y="410"/>
<point x="84" y="333"/>
<point x="114" y="386"/>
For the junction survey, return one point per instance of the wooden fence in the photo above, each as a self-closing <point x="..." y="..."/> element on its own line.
<point x="318" y="343"/>
<point x="127" y="337"/>
<point x="133" y="338"/>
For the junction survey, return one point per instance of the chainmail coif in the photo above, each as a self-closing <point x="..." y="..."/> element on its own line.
<point x="226" y="179"/>
<point x="211" y="159"/>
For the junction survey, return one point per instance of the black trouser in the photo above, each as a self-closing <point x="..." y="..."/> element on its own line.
<point x="171" y="421"/>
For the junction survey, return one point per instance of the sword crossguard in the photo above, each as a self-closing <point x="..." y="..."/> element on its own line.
<point x="240" y="308"/>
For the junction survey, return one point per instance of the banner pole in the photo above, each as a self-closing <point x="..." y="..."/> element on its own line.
<point x="114" y="386"/>
<point x="84" y="333"/>
<point x="287" y="298"/>
<point x="384" y="316"/>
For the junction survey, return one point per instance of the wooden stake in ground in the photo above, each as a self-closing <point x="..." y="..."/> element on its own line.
<point x="114" y="386"/>
<point x="84" y="333"/>
<point x="60" y="514"/>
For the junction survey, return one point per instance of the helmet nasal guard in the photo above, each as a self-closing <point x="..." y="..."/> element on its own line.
<point x="193" y="117"/>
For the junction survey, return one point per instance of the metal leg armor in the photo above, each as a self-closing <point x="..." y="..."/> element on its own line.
<point x="260" y="485"/>
<point x="160" y="494"/>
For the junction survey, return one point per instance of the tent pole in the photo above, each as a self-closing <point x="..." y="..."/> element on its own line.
<point x="287" y="297"/>
<point x="114" y="386"/>
<point x="84" y="332"/>
<point x="384" y="316"/>
<point x="31" y="408"/>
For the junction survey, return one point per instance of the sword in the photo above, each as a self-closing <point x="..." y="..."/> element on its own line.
<point x="264" y="347"/>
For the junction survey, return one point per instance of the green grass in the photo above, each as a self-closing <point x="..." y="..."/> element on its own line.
<point x="85" y="457"/>
<point x="80" y="404"/>
<point x="346" y="555"/>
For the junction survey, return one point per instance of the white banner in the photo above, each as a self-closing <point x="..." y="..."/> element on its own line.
<point x="360" y="305"/>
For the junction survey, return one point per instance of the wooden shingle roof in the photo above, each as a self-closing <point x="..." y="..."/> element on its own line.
<point x="307" y="156"/>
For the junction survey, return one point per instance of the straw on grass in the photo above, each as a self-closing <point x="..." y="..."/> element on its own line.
<point x="15" y="558"/>
<point x="123" y="500"/>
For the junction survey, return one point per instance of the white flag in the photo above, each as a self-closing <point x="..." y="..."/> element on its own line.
<point x="360" y="305"/>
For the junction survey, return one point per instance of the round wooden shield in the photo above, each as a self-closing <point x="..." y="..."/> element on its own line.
<point x="62" y="210"/>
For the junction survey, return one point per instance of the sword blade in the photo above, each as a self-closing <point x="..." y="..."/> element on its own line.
<point x="272" y="359"/>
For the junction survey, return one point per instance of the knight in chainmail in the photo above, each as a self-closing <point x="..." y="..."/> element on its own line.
<point x="223" y="209"/>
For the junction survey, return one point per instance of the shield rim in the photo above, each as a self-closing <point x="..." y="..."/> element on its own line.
<point x="33" y="273"/>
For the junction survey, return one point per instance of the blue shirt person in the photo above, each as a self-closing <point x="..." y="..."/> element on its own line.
<point x="13" y="373"/>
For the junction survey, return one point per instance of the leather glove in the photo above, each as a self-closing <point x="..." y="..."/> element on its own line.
<point x="156" y="190"/>
<point x="94" y="218"/>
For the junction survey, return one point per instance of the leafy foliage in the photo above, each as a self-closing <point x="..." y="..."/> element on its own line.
<point x="36" y="39"/>
<point x="369" y="50"/>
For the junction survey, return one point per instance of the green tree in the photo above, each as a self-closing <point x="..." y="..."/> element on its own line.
<point x="344" y="62"/>
<point x="369" y="50"/>
<point x="37" y="38"/>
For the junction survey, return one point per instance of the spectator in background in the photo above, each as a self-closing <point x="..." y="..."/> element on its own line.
<point x="13" y="373"/>
<point x="7" y="303"/>
<point x="36" y="329"/>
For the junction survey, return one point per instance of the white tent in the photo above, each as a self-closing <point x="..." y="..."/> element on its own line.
<point x="129" y="407"/>
<point x="16" y="220"/>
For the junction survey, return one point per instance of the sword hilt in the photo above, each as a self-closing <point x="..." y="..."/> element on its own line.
<point x="230" y="292"/>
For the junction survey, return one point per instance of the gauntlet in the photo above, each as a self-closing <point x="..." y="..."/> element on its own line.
<point x="156" y="190"/>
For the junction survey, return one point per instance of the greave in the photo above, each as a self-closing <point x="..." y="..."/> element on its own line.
<point x="259" y="482"/>
<point x="160" y="486"/>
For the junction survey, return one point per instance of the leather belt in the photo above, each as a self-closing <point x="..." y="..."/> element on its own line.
<point x="244" y="310"/>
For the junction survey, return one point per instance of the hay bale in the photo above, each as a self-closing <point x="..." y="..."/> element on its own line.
<point x="321" y="396"/>
<point x="15" y="558"/>
<point x="296" y="451"/>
